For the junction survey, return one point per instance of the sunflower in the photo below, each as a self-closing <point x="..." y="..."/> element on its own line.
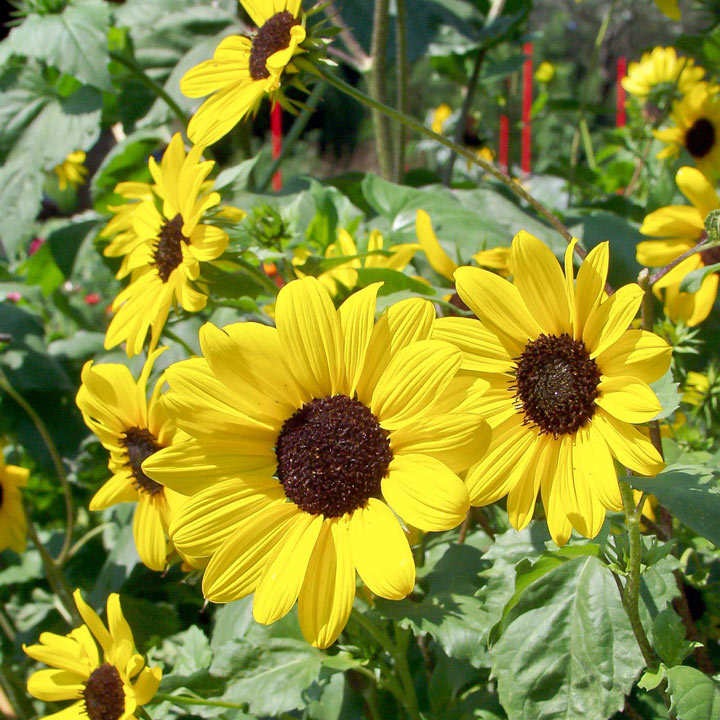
<point x="13" y="525"/>
<point x="243" y="69"/>
<point x="71" y="172"/>
<point x="345" y="276"/>
<point x="697" y="128"/>
<point x="682" y="227"/>
<point x="164" y="247"/>
<point x="131" y="427"/>
<point x="661" y="66"/>
<point x="439" y="116"/>
<point x="567" y="379"/>
<point x="109" y="682"/>
<point x="312" y="447"/>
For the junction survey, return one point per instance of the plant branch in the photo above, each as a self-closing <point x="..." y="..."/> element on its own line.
<point x="376" y="83"/>
<point x="356" y="56"/>
<point x="403" y="72"/>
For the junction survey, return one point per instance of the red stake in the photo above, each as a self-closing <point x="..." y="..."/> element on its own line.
<point x="620" y="117"/>
<point x="504" y="147"/>
<point x="526" y="108"/>
<point x="276" y="132"/>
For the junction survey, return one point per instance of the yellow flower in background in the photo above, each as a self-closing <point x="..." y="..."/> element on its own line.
<point x="660" y="66"/>
<point x="13" y="523"/>
<point x="109" y="681"/>
<point x="312" y="445"/>
<point x="568" y="382"/>
<point x="71" y="172"/>
<point x="697" y="388"/>
<point x="679" y="228"/>
<point x="669" y="8"/>
<point x="345" y="276"/>
<point x="243" y="70"/>
<point x="131" y="428"/>
<point x="545" y="72"/>
<point x="496" y="258"/>
<point x="439" y="117"/>
<point x="696" y="129"/>
<point x="162" y="241"/>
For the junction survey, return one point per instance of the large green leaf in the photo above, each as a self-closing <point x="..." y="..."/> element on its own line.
<point x="568" y="651"/>
<point x="694" y="695"/>
<point x="20" y="196"/>
<point x="691" y="493"/>
<point x="74" y="41"/>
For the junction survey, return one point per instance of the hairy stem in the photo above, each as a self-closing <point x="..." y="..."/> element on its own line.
<point x="403" y="72"/>
<point x="376" y="81"/>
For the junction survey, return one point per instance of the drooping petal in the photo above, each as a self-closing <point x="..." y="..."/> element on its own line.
<point x="586" y="513"/>
<point x="149" y="535"/>
<point x="638" y="353"/>
<point x="593" y="456"/>
<point x="53" y="685"/>
<point x="628" y="399"/>
<point x="380" y="551"/>
<point x="590" y="285"/>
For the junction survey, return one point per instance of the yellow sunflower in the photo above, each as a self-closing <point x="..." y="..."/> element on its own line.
<point x="696" y="128"/>
<point x="13" y="524"/>
<point x="163" y="249"/>
<point x="243" y="70"/>
<point x="345" y="277"/>
<point x="680" y="228"/>
<point x="312" y="445"/>
<point x="439" y="116"/>
<point x="131" y="427"/>
<point x="568" y="381"/>
<point x="106" y="683"/>
<point x="661" y="66"/>
<point x="71" y="172"/>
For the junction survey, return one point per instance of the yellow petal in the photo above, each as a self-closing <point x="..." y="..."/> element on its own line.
<point x="54" y="685"/>
<point x="285" y="571"/>
<point x="628" y="399"/>
<point x="439" y="260"/>
<point x="147" y="684"/>
<point x="538" y="277"/>
<point x="698" y="190"/>
<point x="590" y="285"/>
<point x="380" y="551"/>
<point x="586" y="513"/>
<point x="425" y="493"/>
<point x="521" y="498"/>
<point x="499" y="305"/>
<point x="93" y="622"/>
<point x="327" y="593"/>
<point x="639" y="353"/>
<point x="611" y="319"/>
<point x="674" y="222"/>
<point x="597" y="469"/>
<point x="149" y="535"/>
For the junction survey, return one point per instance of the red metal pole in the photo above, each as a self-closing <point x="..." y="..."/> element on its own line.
<point x="526" y="138"/>
<point x="276" y="132"/>
<point x="620" y="117"/>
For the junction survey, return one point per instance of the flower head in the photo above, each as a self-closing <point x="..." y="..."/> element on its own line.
<point x="679" y="229"/>
<point x="71" y="172"/>
<point x="13" y="524"/>
<point x="109" y="682"/>
<point x="131" y="427"/>
<point x="243" y="70"/>
<point x="696" y="128"/>
<point x="545" y="72"/>
<point x="311" y="446"/>
<point x="568" y="382"/>
<point x="162" y="240"/>
<point x="662" y="66"/>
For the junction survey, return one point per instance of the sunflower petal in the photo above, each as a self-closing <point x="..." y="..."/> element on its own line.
<point x="638" y="353"/>
<point x="607" y="323"/>
<point x="628" y="399"/>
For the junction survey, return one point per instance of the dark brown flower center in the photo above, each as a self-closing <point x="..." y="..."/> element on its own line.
<point x="700" y="138"/>
<point x="140" y="444"/>
<point x="556" y="383"/>
<point x="274" y="35"/>
<point x="167" y="254"/>
<point x="103" y="694"/>
<point x="332" y="455"/>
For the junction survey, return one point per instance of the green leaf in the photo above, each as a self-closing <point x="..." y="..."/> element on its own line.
<point x="393" y="281"/>
<point x="668" y="393"/>
<point x="691" y="493"/>
<point x="694" y="695"/>
<point x="669" y="638"/>
<point x="20" y="196"/>
<point x="74" y="41"/>
<point x="692" y="281"/>
<point x="568" y="651"/>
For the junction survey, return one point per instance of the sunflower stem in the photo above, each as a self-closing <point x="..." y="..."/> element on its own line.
<point x="40" y="426"/>
<point x="662" y="272"/>
<point x="416" y="126"/>
<point x="403" y="72"/>
<point x="404" y="690"/>
<point x="146" y="80"/>
<point x="189" y="700"/>
<point x="631" y="588"/>
<point x="376" y="84"/>
<point x="295" y="131"/>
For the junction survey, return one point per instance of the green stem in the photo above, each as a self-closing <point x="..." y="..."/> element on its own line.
<point x="421" y="129"/>
<point x="659" y="274"/>
<point x="56" y="460"/>
<point x="376" y="81"/>
<point x="403" y="71"/>
<point x="189" y="700"/>
<point x="405" y="692"/>
<point x="295" y="131"/>
<point x="631" y="589"/>
<point x="146" y="80"/>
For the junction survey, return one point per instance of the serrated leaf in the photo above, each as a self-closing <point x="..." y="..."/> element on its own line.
<point x="669" y="638"/>
<point x="569" y="651"/>
<point x="20" y="196"/>
<point x="691" y="493"/>
<point x="74" y="41"/>
<point x="694" y="695"/>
